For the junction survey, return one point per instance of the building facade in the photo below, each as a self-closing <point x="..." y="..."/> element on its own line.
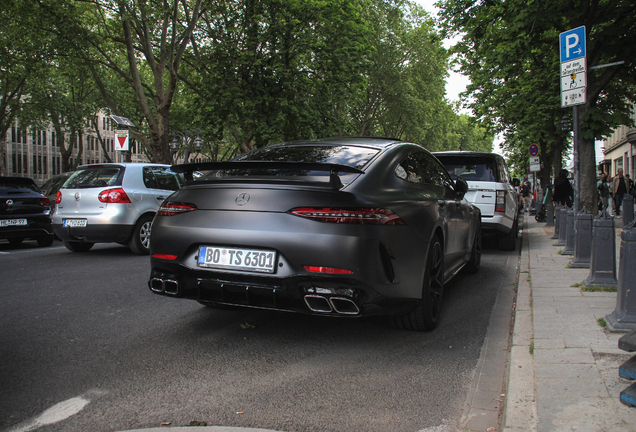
<point x="619" y="150"/>
<point x="35" y="154"/>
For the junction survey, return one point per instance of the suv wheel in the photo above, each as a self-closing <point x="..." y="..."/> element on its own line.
<point x="140" y="241"/>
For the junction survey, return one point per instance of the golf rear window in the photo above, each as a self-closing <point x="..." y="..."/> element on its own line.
<point x="94" y="177"/>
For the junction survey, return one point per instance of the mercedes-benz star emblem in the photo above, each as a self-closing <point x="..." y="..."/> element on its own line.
<point x="242" y="199"/>
<point x="77" y="196"/>
<point x="9" y="203"/>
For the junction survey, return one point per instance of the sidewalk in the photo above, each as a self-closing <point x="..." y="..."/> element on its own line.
<point x="563" y="372"/>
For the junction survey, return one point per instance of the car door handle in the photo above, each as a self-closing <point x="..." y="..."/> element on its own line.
<point x="161" y="198"/>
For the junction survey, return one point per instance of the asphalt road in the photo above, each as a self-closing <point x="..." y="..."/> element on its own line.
<point x="82" y="337"/>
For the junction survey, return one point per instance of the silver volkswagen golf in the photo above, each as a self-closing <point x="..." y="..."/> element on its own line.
<point x="112" y="202"/>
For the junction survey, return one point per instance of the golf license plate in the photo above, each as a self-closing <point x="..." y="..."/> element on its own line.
<point x="73" y="223"/>
<point x="13" y="222"/>
<point x="253" y="260"/>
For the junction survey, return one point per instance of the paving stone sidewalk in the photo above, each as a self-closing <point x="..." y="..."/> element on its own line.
<point x="563" y="372"/>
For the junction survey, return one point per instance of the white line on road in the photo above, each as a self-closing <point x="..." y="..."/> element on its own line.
<point x="55" y="414"/>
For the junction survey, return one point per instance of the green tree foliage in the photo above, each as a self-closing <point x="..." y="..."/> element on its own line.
<point x="510" y="51"/>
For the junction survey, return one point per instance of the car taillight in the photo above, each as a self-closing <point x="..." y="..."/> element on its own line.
<point x="45" y="202"/>
<point x="58" y="197"/>
<point x="331" y="270"/>
<point x="500" y="205"/>
<point x="165" y="256"/>
<point x="362" y="216"/>
<point x="175" y="208"/>
<point x="113" y="196"/>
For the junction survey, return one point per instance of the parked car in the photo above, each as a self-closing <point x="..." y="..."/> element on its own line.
<point x="52" y="185"/>
<point x="338" y="226"/>
<point x="490" y="188"/>
<point x="24" y="212"/>
<point x="112" y="202"/>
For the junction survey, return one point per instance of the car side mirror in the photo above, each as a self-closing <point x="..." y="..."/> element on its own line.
<point x="516" y="182"/>
<point x="461" y="187"/>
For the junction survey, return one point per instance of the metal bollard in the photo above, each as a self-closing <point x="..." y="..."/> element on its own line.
<point x="570" y="235"/>
<point x="563" y="226"/>
<point x="603" y="264"/>
<point x="557" y="221"/>
<point x="549" y="214"/>
<point x="583" y="244"/>
<point x="628" y="369"/>
<point x="628" y="209"/>
<point x="624" y="316"/>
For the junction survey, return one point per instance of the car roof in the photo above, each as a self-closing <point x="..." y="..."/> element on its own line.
<point x="17" y="180"/>
<point x="378" y="142"/>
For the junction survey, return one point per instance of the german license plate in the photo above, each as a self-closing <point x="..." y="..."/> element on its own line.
<point x="13" y="222"/>
<point x="253" y="260"/>
<point x="73" y="223"/>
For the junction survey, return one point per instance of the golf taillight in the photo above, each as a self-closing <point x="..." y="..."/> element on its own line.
<point x="45" y="202"/>
<point x="58" y="197"/>
<point x="500" y="204"/>
<point x="362" y="216"/>
<point x="175" y="208"/>
<point x="113" y="196"/>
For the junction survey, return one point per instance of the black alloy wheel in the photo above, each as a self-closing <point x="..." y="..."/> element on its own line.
<point x="425" y="316"/>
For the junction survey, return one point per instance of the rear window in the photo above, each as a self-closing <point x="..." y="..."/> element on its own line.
<point x="356" y="157"/>
<point x="471" y="168"/>
<point x="12" y="185"/>
<point x="94" y="177"/>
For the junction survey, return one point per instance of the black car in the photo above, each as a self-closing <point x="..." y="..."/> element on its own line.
<point x="336" y="226"/>
<point x="25" y="213"/>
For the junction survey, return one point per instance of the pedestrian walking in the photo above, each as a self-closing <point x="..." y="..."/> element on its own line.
<point x="563" y="192"/>
<point x="619" y="189"/>
<point x="603" y="191"/>
<point x="525" y="192"/>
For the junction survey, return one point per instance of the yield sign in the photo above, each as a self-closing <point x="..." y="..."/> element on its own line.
<point x="121" y="140"/>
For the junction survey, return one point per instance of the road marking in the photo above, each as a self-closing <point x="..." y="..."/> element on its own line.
<point x="55" y="414"/>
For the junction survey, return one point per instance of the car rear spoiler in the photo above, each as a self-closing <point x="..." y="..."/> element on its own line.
<point x="333" y="169"/>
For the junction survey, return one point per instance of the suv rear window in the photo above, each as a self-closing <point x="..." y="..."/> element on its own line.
<point x="93" y="177"/>
<point x="471" y="168"/>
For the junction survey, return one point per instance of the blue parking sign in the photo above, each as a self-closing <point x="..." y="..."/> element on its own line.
<point x="572" y="44"/>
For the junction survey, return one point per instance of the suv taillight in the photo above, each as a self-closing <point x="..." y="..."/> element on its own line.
<point x="58" y="197"/>
<point x="175" y="208"/>
<point x="362" y="216"/>
<point x="500" y="205"/>
<point x="113" y="196"/>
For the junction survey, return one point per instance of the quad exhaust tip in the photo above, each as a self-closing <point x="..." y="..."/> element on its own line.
<point x="164" y="286"/>
<point x="340" y="305"/>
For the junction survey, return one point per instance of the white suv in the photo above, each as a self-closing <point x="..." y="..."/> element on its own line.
<point x="490" y="188"/>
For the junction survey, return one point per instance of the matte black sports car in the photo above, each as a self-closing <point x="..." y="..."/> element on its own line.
<point x="335" y="226"/>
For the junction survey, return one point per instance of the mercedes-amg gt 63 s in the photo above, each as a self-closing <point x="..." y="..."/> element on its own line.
<point x="336" y="227"/>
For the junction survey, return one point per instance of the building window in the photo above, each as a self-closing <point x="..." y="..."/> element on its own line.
<point x="25" y="165"/>
<point x="44" y="162"/>
<point x="13" y="134"/>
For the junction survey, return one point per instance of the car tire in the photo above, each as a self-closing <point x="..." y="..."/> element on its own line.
<point x="509" y="241"/>
<point x="78" y="246"/>
<point x="215" y="305"/>
<point x="16" y="240"/>
<point x="475" y="254"/>
<point x="425" y="316"/>
<point x="45" y="241"/>
<point x="140" y="241"/>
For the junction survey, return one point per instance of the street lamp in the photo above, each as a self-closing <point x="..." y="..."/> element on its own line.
<point x="186" y="136"/>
